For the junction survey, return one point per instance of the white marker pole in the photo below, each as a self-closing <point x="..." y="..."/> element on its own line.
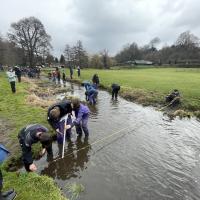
<point x="64" y="134"/>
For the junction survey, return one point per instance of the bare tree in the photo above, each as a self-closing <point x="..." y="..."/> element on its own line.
<point x="105" y="58"/>
<point x="154" y="42"/>
<point x="30" y="35"/>
<point x="187" y="39"/>
<point x="62" y="59"/>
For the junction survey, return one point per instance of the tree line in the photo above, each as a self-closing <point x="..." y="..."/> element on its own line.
<point x="28" y="44"/>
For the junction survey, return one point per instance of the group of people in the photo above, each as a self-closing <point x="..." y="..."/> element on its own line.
<point x="59" y="117"/>
<point x="56" y="75"/>
<point x="15" y="73"/>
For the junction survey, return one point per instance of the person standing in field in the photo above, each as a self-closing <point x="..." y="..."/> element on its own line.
<point x="79" y="71"/>
<point x="95" y="80"/>
<point x="18" y="73"/>
<point x="71" y="71"/>
<point x="12" y="79"/>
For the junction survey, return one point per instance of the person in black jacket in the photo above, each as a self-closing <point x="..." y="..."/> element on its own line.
<point x="115" y="89"/>
<point x="29" y="135"/>
<point x="18" y="73"/>
<point x="95" y="80"/>
<point x="55" y="113"/>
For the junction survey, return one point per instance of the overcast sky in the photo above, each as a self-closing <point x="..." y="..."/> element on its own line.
<point x="105" y="24"/>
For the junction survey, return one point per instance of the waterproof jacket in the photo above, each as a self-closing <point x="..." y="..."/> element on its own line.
<point x="65" y="108"/>
<point x="11" y="76"/>
<point x="115" y="86"/>
<point x="3" y="153"/>
<point x="27" y="137"/>
<point x="95" y="79"/>
<point x="80" y="113"/>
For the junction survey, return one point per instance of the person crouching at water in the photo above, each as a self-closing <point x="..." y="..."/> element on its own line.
<point x="29" y="135"/>
<point x="115" y="89"/>
<point x="55" y="113"/>
<point x="82" y="116"/>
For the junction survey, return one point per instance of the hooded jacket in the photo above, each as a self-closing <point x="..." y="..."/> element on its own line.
<point x="65" y="108"/>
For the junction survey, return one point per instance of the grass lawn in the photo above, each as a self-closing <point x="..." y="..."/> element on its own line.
<point x="159" y="81"/>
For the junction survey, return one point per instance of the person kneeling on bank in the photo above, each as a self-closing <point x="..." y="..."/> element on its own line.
<point x="29" y="135"/>
<point x="173" y="98"/>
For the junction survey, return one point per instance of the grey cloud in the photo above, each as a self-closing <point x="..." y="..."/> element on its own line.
<point x="106" y="24"/>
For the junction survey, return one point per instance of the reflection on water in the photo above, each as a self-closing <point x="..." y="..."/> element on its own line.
<point x="154" y="158"/>
<point x="73" y="162"/>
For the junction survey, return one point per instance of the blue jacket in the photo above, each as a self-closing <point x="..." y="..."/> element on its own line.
<point x="3" y="153"/>
<point x="80" y="113"/>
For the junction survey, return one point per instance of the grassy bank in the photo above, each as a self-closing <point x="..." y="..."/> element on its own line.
<point x="150" y="86"/>
<point x="16" y="113"/>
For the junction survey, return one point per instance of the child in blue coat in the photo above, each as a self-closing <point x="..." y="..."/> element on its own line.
<point x="82" y="116"/>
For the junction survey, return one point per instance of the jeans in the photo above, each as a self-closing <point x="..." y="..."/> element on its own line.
<point x="83" y="127"/>
<point x="12" y="84"/>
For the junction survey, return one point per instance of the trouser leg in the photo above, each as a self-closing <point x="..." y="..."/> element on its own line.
<point x="85" y="126"/>
<point x="113" y="94"/>
<point x="12" y="84"/>
<point x="116" y="94"/>
<point x="79" y="130"/>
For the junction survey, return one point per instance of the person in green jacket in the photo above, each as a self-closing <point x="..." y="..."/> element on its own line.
<point x="12" y="78"/>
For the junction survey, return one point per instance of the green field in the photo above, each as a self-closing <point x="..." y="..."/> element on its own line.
<point x="159" y="81"/>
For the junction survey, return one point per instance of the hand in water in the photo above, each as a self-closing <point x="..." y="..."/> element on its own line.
<point x="33" y="167"/>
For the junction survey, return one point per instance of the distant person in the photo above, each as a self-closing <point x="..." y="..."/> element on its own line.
<point x="54" y="76"/>
<point x="95" y="80"/>
<point x="90" y="92"/>
<point x="18" y="73"/>
<point x="82" y="116"/>
<point x="58" y="74"/>
<point x="79" y="71"/>
<point x="115" y="89"/>
<point x="71" y="71"/>
<point x="173" y="98"/>
<point x="10" y="194"/>
<point x="29" y="135"/>
<point x="55" y="113"/>
<point x="49" y="75"/>
<point x="64" y="77"/>
<point x="12" y="79"/>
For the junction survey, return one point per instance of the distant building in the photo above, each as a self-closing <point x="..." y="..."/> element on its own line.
<point x="138" y="62"/>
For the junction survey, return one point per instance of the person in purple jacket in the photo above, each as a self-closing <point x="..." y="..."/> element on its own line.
<point x="82" y="116"/>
